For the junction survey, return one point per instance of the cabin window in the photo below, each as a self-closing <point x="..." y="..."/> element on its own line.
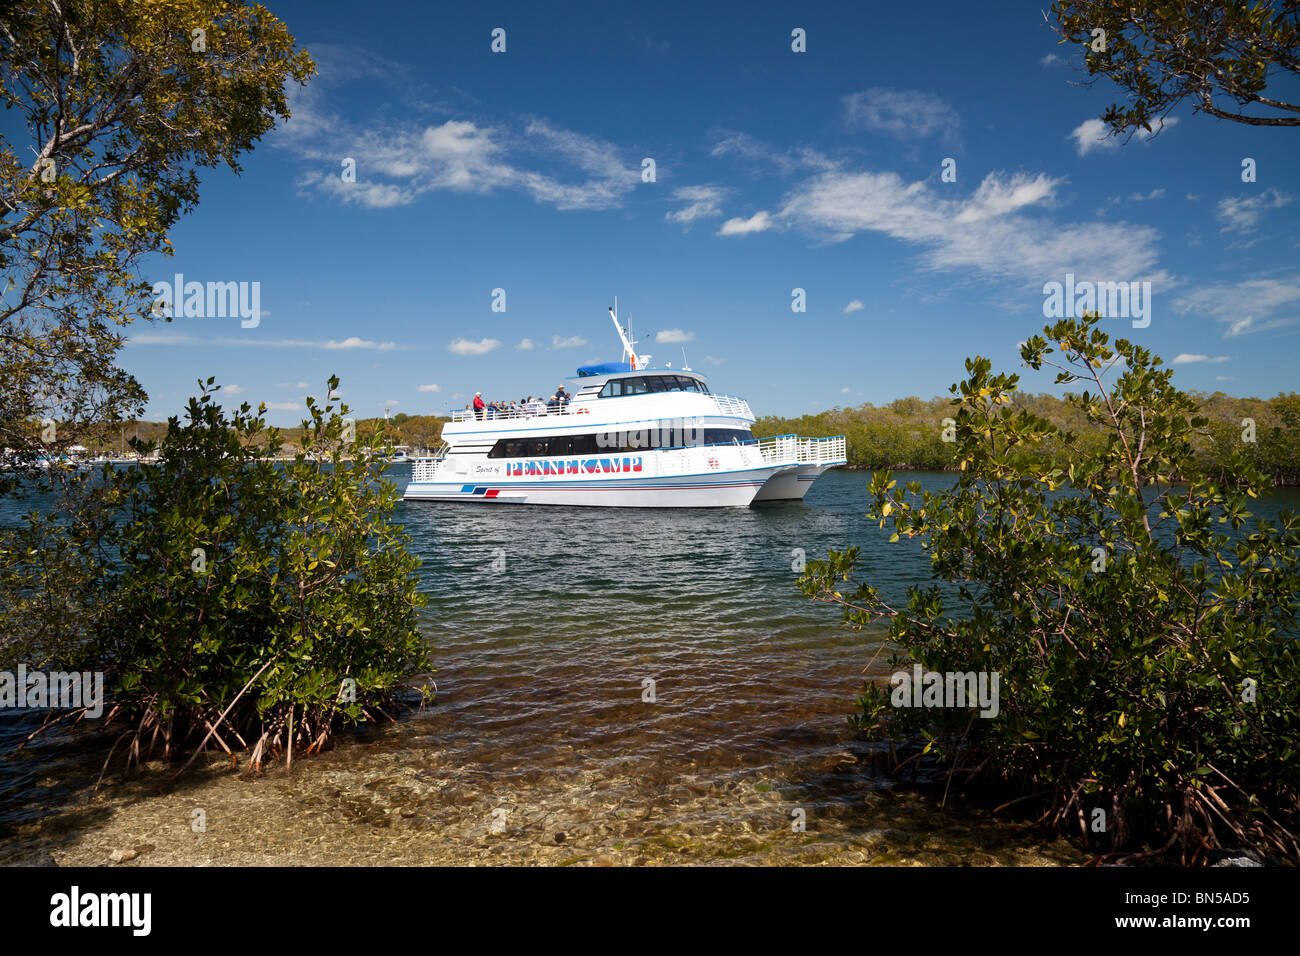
<point x="555" y="446"/>
<point x="646" y="384"/>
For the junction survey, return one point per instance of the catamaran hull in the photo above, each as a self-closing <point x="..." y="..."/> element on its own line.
<point x="731" y="490"/>
<point x="791" y="485"/>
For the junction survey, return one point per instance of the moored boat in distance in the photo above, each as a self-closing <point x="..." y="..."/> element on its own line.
<point x="630" y="436"/>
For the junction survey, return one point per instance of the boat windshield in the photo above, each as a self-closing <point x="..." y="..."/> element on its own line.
<point x="645" y="384"/>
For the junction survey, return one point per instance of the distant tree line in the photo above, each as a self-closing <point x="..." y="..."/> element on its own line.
<point x="415" y="431"/>
<point x="908" y="433"/>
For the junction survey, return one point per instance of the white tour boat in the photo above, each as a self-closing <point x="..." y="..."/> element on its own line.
<point x="630" y="436"/>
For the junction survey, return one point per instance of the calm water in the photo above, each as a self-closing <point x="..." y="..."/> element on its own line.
<point x="546" y="623"/>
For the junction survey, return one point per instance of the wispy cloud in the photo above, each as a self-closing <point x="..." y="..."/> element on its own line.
<point x="1092" y="135"/>
<point x="854" y="306"/>
<point x="673" y="335"/>
<point x="396" y="161"/>
<point x="905" y="114"/>
<point x="429" y="388"/>
<point x="759" y="155"/>
<point x="1192" y="358"/>
<point x="1246" y="306"/>
<point x="464" y="346"/>
<point x="525" y="345"/>
<point x="702" y="202"/>
<point x="992" y="231"/>
<point x="352" y="342"/>
<point x="1242" y="213"/>
<point x="759" y="222"/>
<point x="571" y="342"/>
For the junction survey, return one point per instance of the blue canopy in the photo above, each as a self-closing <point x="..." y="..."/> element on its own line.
<point x="604" y="368"/>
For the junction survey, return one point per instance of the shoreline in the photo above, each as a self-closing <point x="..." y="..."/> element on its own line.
<point x="369" y="803"/>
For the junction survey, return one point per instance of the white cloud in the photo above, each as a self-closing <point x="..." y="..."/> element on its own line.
<point x="990" y="232"/>
<point x="758" y="222"/>
<point x="1093" y="134"/>
<point x="845" y="390"/>
<point x="900" y="113"/>
<point x="1224" y="378"/>
<point x="233" y="389"/>
<point x="1243" y="214"/>
<point x="1051" y="59"/>
<point x="673" y="335"/>
<point x="525" y="345"/>
<point x="572" y="342"/>
<point x="854" y="306"/>
<point x="997" y="197"/>
<point x="285" y="406"/>
<point x="398" y="161"/>
<point x="758" y="154"/>
<point x="713" y="361"/>
<point x="1189" y="358"/>
<point x="464" y="346"/>
<point x="1250" y="305"/>
<point x="701" y="202"/>
<point x="429" y="388"/>
<point x="1090" y="135"/>
<point x="353" y="342"/>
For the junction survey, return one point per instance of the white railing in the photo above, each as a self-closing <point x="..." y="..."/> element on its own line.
<point x="533" y="410"/>
<point x="731" y="405"/>
<point x="794" y="450"/>
<point x="726" y="405"/>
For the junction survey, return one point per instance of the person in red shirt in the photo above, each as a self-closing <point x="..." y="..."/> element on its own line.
<point x="478" y="405"/>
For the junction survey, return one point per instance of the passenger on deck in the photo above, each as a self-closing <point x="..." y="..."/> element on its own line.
<point x="562" y="395"/>
<point x="553" y="405"/>
<point x="479" y="405"/>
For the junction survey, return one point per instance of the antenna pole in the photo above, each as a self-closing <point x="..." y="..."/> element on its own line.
<point x="627" y="345"/>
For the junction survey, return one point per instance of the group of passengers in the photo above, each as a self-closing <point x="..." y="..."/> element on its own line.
<point x="524" y="408"/>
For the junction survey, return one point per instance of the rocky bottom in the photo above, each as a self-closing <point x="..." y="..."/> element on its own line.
<point x="387" y="799"/>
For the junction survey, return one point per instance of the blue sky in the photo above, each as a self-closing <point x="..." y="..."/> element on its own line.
<point x="774" y="170"/>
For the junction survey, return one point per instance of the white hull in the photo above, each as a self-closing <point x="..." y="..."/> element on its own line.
<point x="733" y="490"/>
<point x="709" y="476"/>
<point x="791" y="485"/>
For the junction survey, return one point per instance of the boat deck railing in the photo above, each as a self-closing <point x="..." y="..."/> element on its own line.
<point x="804" y="451"/>
<point x="778" y="450"/>
<point x="726" y="405"/>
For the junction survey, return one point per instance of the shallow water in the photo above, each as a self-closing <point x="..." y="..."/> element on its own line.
<point x="544" y="744"/>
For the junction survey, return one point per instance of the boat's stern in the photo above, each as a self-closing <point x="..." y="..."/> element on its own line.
<point x="810" y="456"/>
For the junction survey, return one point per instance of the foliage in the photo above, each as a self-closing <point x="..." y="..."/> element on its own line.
<point x="265" y="591"/>
<point x="908" y="433"/>
<point x="1215" y="52"/>
<point x="1144" y="631"/>
<point x="52" y="563"/>
<point x="121" y="106"/>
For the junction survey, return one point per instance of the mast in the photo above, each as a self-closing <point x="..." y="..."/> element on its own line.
<point x="629" y="353"/>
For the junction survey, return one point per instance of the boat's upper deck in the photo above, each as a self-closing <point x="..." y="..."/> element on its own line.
<point x="610" y="397"/>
